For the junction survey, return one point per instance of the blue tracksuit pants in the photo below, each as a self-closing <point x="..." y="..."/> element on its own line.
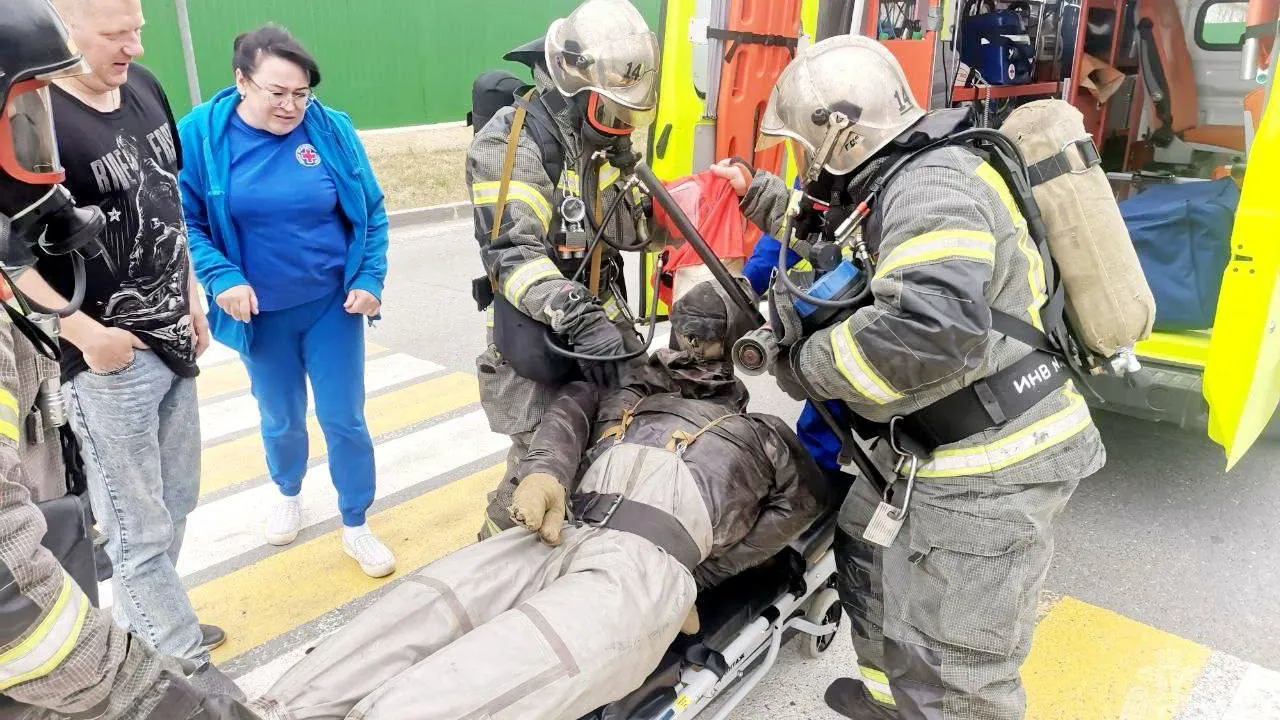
<point x="321" y="341"/>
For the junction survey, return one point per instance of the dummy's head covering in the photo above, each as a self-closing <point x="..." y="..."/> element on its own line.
<point x="706" y="322"/>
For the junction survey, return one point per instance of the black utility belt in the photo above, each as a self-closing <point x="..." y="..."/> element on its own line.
<point x="613" y="511"/>
<point x="986" y="404"/>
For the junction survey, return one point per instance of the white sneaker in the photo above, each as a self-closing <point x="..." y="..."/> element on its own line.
<point x="285" y="521"/>
<point x="375" y="558"/>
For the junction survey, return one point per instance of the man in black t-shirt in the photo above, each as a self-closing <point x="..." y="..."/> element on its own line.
<point x="129" y="354"/>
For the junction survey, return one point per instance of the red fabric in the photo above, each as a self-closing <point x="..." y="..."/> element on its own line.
<point x="712" y="206"/>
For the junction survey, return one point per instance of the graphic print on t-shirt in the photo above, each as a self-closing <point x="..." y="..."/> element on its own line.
<point x="145" y="243"/>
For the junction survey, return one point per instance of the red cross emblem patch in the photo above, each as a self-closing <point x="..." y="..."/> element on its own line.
<point x="307" y="155"/>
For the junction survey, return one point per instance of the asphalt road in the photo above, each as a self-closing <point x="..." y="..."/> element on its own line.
<point x="1161" y="535"/>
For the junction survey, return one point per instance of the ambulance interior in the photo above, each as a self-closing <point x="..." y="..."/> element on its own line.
<point x="1173" y="93"/>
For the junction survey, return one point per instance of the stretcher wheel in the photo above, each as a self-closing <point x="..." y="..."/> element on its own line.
<point x="823" y="610"/>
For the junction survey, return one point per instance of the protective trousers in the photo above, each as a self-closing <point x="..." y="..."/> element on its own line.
<point x="944" y="617"/>
<point x="508" y="628"/>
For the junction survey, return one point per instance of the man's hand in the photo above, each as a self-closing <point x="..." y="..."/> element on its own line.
<point x="240" y="302"/>
<point x="111" y="349"/>
<point x="539" y="504"/>
<point x="737" y="175"/>
<point x="362" y="302"/>
<point x="200" y="328"/>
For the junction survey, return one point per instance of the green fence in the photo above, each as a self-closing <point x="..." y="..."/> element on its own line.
<point x="386" y="62"/>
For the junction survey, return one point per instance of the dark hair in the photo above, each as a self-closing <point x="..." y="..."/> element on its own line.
<point x="271" y="39"/>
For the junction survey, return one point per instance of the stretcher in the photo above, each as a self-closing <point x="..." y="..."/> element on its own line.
<point x="745" y="622"/>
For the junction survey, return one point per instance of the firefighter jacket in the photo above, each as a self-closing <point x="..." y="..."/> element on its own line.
<point x="951" y="245"/>
<point x="59" y="656"/>
<point x="760" y="486"/>
<point x="523" y="263"/>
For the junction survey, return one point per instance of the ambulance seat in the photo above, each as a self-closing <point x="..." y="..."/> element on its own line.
<point x="1170" y="79"/>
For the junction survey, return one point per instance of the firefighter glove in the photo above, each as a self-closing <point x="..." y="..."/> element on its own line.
<point x="539" y="506"/>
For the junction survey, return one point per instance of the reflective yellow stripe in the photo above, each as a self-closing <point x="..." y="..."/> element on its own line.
<point x="1015" y="448"/>
<point x="569" y="181"/>
<point x="940" y="245"/>
<point x="880" y="697"/>
<point x="877" y="684"/>
<point x="1035" y="264"/>
<point x="7" y="400"/>
<point x="856" y="369"/>
<point x="873" y="675"/>
<point x="608" y="176"/>
<point x="488" y="316"/>
<point x="611" y="309"/>
<point x="802" y="266"/>
<point x="486" y="193"/>
<point x="523" y="277"/>
<point x="491" y="526"/>
<point x="8" y="415"/>
<point x="50" y="643"/>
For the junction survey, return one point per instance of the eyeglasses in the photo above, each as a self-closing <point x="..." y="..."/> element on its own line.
<point x="282" y="100"/>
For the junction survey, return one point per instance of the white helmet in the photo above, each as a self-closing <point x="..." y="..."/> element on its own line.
<point x="605" y="47"/>
<point x="850" y="74"/>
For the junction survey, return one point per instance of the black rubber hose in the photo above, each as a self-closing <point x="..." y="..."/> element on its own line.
<point x="795" y="290"/>
<point x="604" y="224"/>
<point x="77" y="271"/>
<point x="858" y="456"/>
<point x="691" y="236"/>
<point x="549" y="338"/>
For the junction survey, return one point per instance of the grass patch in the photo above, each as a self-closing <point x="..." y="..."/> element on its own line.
<point x="417" y="168"/>
<point x="423" y="167"/>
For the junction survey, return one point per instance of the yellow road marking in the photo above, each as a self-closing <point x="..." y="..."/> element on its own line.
<point x="231" y="377"/>
<point x="1088" y="663"/>
<point x="244" y="458"/>
<point x="279" y="593"/>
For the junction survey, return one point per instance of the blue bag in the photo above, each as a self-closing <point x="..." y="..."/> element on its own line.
<point x="1182" y="234"/>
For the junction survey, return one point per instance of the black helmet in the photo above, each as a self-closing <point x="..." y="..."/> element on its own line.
<point x="531" y="54"/>
<point x="34" y="49"/>
<point x="34" y="44"/>
<point x="34" y="207"/>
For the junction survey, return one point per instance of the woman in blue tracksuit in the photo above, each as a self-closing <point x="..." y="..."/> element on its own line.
<point x="288" y="236"/>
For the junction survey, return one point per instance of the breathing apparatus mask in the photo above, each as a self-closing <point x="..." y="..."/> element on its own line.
<point x="40" y="209"/>
<point x="604" y="123"/>
<point x="36" y="210"/>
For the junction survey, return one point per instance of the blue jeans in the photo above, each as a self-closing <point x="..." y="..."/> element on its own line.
<point x="139" y="431"/>
<point x="321" y="341"/>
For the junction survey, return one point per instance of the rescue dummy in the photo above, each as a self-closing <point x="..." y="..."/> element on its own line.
<point x="596" y="79"/>
<point x="670" y="486"/>
<point x="942" y="573"/>
<point x="59" y="656"/>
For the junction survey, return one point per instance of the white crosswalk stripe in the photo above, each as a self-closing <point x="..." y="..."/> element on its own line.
<point x="217" y="354"/>
<point x="233" y="415"/>
<point x="227" y="528"/>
